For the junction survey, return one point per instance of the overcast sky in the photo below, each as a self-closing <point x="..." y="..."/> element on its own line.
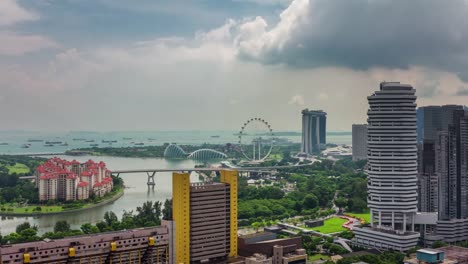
<point x="109" y="65"/>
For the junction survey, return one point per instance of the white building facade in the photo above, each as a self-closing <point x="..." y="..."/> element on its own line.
<point x="392" y="169"/>
<point x="59" y="179"/>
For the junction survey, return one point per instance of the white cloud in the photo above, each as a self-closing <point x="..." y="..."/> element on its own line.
<point x="267" y="2"/>
<point x="323" y="96"/>
<point x="255" y="39"/>
<point x="11" y="12"/>
<point x="16" y="44"/>
<point x="297" y="100"/>
<point x="199" y="83"/>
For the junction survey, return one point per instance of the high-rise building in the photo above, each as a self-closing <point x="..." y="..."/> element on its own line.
<point x="314" y="131"/>
<point x="59" y="179"/>
<point x="434" y="118"/>
<point x="392" y="169"/>
<point x="359" y="142"/>
<point x="431" y="121"/>
<point x="205" y="216"/>
<point x="452" y="169"/>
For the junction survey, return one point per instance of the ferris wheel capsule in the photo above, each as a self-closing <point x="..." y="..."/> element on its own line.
<point x="256" y="145"/>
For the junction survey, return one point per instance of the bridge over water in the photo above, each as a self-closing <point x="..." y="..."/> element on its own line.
<point x="151" y="173"/>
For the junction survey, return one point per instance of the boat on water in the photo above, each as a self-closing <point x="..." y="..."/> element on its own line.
<point x="151" y="139"/>
<point x="215" y="136"/>
<point x="35" y="140"/>
<point x="109" y="141"/>
<point x="127" y="138"/>
<point x="94" y="145"/>
<point x="48" y="145"/>
<point x="79" y="139"/>
<point x="53" y="142"/>
<point x="64" y="144"/>
<point x="25" y="146"/>
<point x="3" y="144"/>
<point x="139" y="144"/>
<point x="90" y="140"/>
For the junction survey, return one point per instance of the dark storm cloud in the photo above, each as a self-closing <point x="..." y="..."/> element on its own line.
<point x="362" y="34"/>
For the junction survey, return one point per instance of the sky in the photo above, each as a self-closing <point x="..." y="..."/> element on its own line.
<point x="111" y="65"/>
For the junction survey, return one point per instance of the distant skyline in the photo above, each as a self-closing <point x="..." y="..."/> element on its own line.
<point x="113" y="65"/>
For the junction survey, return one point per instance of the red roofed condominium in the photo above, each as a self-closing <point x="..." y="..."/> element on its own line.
<point x="59" y="179"/>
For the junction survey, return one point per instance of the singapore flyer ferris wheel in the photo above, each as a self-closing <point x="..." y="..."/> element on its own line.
<point x="256" y="139"/>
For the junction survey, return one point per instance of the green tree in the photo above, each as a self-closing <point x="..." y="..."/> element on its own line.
<point x="23" y="226"/>
<point x="110" y="218"/>
<point x="347" y="234"/>
<point x="167" y="210"/>
<point x="438" y="244"/>
<point x="102" y="226"/>
<point x="62" y="226"/>
<point x="29" y="234"/>
<point x="89" y="228"/>
<point x="310" y="201"/>
<point x="341" y="203"/>
<point x="149" y="214"/>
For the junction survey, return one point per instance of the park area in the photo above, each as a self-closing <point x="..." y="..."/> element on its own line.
<point x="360" y="216"/>
<point x="319" y="257"/>
<point x="331" y="225"/>
<point x="18" y="209"/>
<point x="18" y="168"/>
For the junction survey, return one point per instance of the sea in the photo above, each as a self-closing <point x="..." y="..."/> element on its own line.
<point x="25" y="142"/>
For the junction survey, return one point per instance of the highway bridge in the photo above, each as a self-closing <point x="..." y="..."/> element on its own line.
<point x="152" y="172"/>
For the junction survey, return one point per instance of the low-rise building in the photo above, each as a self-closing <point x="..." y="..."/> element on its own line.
<point x="279" y="251"/>
<point x="59" y="179"/>
<point x="142" y="245"/>
<point x="443" y="255"/>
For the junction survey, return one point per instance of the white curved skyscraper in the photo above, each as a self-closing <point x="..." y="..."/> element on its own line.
<point x="392" y="168"/>
<point x="392" y="153"/>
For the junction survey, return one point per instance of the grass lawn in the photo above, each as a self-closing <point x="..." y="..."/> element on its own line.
<point x="277" y="156"/>
<point x="318" y="257"/>
<point x="29" y="209"/>
<point x="331" y="225"/>
<point x="18" y="168"/>
<point x="365" y="216"/>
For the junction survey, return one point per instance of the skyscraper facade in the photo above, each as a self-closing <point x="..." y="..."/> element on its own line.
<point x="314" y="129"/>
<point x="452" y="169"/>
<point x="205" y="216"/>
<point x="392" y="169"/>
<point x="359" y="142"/>
<point x="431" y="121"/>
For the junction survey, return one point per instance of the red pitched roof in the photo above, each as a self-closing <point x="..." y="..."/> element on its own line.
<point x="56" y="166"/>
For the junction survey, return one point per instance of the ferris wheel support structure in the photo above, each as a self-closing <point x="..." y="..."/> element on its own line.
<point x="260" y="142"/>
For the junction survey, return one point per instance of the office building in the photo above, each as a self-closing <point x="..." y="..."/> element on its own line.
<point x="359" y="142"/>
<point x="452" y="169"/>
<point x="205" y="216"/>
<point x="314" y="130"/>
<point x="265" y="247"/>
<point x="392" y="169"/>
<point x="431" y="121"/>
